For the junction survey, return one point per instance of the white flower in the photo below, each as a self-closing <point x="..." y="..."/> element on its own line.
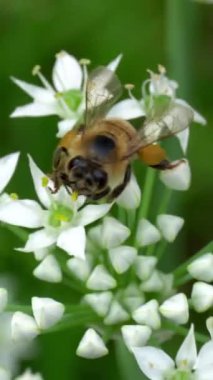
<point x="169" y="226"/>
<point x="60" y="222"/>
<point x="135" y="335"/>
<point x="28" y="375"/>
<point x="147" y="233"/>
<point x="4" y="374"/>
<point x="148" y="315"/>
<point x="157" y="365"/>
<point x="65" y="99"/>
<point x="202" y="268"/>
<point x="144" y="266"/>
<point x="178" y="178"/>
<point x="209" y="325"/>
<point x="3" y="299"/>
<point x="91" y="346"/>
<point x="202" y="296"/>
<point x="7" y="167"/>
<point x="47" y="312"/>
<point x="117" y="314"/>
<point x="48" y="270"/>
<point x="176" y="308"/>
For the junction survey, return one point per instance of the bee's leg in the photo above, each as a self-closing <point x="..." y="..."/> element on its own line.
<point x="118" y="189"/>
<point x="166" y="165"/>
<point x="100" y="195"/>
<point x="155" y="157"/>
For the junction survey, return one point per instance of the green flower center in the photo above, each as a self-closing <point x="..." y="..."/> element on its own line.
<point x="59" y="215"/>
<point x="156" y="105"/>
<point x="180" y="375"/>
<point x="72" y="98"/>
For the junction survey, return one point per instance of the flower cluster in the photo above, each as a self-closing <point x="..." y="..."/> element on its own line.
<point x="109" y="254"/>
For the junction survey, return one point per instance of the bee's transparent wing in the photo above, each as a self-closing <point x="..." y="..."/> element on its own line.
<point x="177" y="118"/>
<point x="102" y="90"/>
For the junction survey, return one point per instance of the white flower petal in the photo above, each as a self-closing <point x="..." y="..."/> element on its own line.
<point x="24" y="213"/>
<point x="91" y="346"/>
<point x="79" y="268"/>
<point x="47" y="312"/>
<point x="122" y="258"/>
<point x="202" y="268"/>
<point x="202" y="296"/>
<point x="40" y="94"/>
<point x="205" y="360"/>
<point x="36" y="109"/>
<point x="65" y="126"/>
<point x="100" y="279"/>
<point x="41" y="253"/>
<point x="23" y="327"/>
<point x="114" y="64"/>
<point x="37" y="175"/>
<point x="197" y="117"/>
<point x="153" y="362"/>
<point x="7" y="167"/>
<point x="126" y="109"/>
<point x="48" y="270"/>
<point x="176" y="308"/>
<point x="28" y="375"/>
<point x="169" y="226"/>
<point x="144" y="266"/>
<point x="147" y="233"/>
<point x="38" y="240"/>
<point x="99" y="302"/>
<point x="178" y="178"/>
<point x="148" y="314"/>
<point x="209" y="325"/>
<point x="67" y="73"/>
<point x="3" y="299"/>
<point x="130" y="198"/>
<point x="4" y="374"/>
<point x="135" y="335"/>
<point x="73" y="241"/>
<point x="117" y="314"/>
<point x="91" y="213"/>
<point x="113" y="233"/>
<point x="183" y="138"/>
<point x="187" y="353"/>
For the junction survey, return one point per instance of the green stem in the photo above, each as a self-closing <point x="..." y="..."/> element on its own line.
<point x="164" y="204"/>
<point x="17" y="231"/>
<point x="201" y="338"/>
<point x="161" y="249"/>
<point x="22" y="308"/>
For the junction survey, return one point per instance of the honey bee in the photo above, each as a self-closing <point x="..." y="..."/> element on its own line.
<point x="94" y="159"/>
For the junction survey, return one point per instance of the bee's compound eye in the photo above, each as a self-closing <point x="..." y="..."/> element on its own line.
<point x="77" y="162"/>
<point x="102" y="145"/>
<point x="59" y="152"/>
<point x="100" y="178"/>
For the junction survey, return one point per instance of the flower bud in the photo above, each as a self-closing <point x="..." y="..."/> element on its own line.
<point x="122" y="258"/>
<point x="117" y="314"/>
<point x="130" y="198"/>
<point x="176" y="308"/>
<point x="91" y="346"/>
<point x="202" y="268"/>
<point x="153" y="284"/>
<point x="178" y="178"/>
<point x="148" y="314"/>
<point x="202" y="296"/>
<point x="79" y="268"/>
<point x="23" y="327"/>
<point x="135" y="335"/>
<point x="113" y="233"/>
<point x="47" y="312"/>
<point x="99" y="302"/>
<point x="144" y="266"/>
<point x="209" y="325"/>
<point x="147" y="233"/>
<point x="100" y="279"/>
<point x="48" y="270"/>
<point x="169" y="226"/>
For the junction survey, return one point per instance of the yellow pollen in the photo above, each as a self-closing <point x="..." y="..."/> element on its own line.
<point x="184" y="363"/>
<point x="61" y="217"/>
<point x="44" y="181"/>
<point x="14" y="196"/>
<point x="36" y="69"/>
<point x="129" y="86"/>
<point x="74" y="196"/>
<point x="84" y="61"/>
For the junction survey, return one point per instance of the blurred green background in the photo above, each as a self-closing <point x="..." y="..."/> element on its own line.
<point x="175" y="33"/>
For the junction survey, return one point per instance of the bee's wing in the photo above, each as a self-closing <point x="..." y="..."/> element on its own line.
<point x="174" y="120"/>
<point x="102" y="90"/>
